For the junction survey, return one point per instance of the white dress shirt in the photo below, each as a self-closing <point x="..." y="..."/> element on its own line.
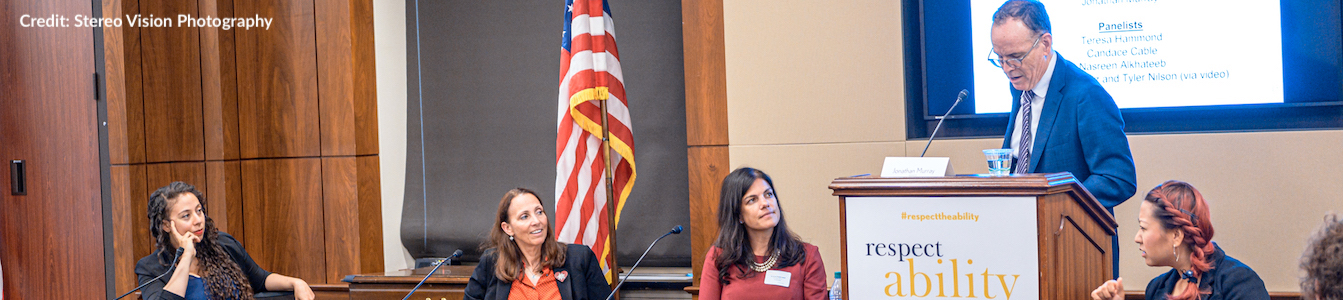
<point x="1037" y="104"/>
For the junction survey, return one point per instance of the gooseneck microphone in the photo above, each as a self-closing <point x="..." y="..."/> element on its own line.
<point x="439" y="263"/>
<point x="959" y="97"/>
<point x="172" y="266"/>
<point x="676" y="230"/>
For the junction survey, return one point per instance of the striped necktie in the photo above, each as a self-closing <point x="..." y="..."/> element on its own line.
<point x="1024" y="146"/>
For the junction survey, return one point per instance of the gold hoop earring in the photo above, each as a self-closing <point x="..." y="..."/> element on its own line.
<point x="1173" y="252"/>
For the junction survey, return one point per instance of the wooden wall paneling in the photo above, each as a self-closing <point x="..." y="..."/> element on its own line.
<point x="277" y="99"/>
<point x="142" y="243"/>
<point x="225" y="204"/>
<point x="219" y="85"/>
<point x="365" y="78"/>
<point x="48" y="118"/>
<point x="125" y="109"/>
<point x="129" y="223"/>
<point x="160" y="175"/>
<point x="171" y="61"/>
<point x="335" y="67"/>
<point x="708" y="165"/>
<point x="370" y="214"/>
<point x="340" y="203"/>
<point x="285" y="230"/>
<point x="706" y="121"/>
<point x="705" y="72"/>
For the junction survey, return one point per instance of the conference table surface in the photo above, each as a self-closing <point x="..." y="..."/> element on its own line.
<point x="448" y="283"/>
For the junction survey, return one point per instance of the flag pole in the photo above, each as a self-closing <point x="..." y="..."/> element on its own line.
<point x="610" y="196"/>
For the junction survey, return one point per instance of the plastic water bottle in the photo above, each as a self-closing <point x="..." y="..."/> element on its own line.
<point x="835" y="289"/>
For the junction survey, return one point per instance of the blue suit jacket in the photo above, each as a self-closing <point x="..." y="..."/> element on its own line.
<point x="1081" y="132"/>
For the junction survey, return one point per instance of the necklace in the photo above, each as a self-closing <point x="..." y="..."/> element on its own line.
<point x="768" y="263"/>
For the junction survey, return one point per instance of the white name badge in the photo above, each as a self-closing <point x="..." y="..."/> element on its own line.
<point x="916" y="167"/>
<point x="779" y="278"/>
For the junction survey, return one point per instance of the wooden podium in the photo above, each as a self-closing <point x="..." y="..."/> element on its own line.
<point x="1073" y="230"/>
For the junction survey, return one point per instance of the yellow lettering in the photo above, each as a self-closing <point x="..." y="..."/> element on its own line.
<point x="899" y="289"/>
<point x="970" y="280"/>
<point x="927" y="285"/>
<point x="1006" y="290"/>
<point x="940" y="289"/>
<point x="986" y="285"/>
<point x="955" y="280"/>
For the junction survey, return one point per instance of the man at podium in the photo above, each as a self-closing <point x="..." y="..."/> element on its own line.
<point x="1063" y="120"/>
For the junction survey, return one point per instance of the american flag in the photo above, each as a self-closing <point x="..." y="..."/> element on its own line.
<point x="589" y="74"/>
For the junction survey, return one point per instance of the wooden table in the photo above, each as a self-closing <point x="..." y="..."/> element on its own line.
<point x="448" y="283"/>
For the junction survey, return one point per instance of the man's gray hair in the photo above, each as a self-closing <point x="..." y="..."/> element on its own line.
<point x="1030" y="12"/>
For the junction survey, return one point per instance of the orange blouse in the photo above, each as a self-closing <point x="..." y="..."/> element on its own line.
<point x="545" y="288"/>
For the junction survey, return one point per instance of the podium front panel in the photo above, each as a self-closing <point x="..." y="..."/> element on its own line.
<point x="941" y="247"/>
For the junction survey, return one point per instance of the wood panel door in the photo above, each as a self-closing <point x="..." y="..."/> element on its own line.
<point x="51" y="239"/>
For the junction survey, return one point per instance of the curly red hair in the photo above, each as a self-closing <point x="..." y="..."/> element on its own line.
<point x="1180" y="206"/>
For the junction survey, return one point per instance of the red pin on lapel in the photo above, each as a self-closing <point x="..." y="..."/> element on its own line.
<point x="561" y="276"/>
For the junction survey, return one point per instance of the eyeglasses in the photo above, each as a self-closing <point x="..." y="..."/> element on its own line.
<point x="1014" y="62"/>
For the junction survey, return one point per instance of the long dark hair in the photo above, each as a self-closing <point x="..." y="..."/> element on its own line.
<point x="509" y="258"/>
<point x="734" y="250"/>
<point x="223" y="277"/>
<point x="1181" y="207"/>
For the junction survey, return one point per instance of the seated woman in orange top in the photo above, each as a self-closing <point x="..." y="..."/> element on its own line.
<point x="756" y="256"/>
<point x="524" y="261"/>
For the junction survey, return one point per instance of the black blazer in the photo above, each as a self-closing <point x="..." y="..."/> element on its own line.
<point x="585" y="280"/>
<point x="149" y="267"/>
<point x="1228" y="279"/>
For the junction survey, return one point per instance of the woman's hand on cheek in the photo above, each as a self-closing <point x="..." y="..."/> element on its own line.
<point x="185" y="240"/>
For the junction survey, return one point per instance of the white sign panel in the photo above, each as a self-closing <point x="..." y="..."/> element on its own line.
<point x="916" y="167"/>
<point x="1149" y="53"/>
<point x="942" y="247"/>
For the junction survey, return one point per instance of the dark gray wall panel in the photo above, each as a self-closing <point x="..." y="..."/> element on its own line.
<point x="490" y="75"/>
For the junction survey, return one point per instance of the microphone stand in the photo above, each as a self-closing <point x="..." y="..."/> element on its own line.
<point x="943" y="118"/>
<point x="170" y="270"/>
<point x="676" y="230"/>
<point x="437" y="264"/>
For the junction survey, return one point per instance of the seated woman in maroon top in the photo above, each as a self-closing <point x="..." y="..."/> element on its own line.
<point x="756" y="256"/>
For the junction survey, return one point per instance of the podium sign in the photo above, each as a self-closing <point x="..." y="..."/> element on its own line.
<point x="942" y="247"/>
<point x="1031" y="236"/>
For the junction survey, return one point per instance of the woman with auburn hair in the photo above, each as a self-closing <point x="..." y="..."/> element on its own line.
<point x="524" y="261"/>
<point x="1175" y="230"/>
<point x="1323" y="262"/>
<point x="212" y="265"/>
<point x="756" y="256"/>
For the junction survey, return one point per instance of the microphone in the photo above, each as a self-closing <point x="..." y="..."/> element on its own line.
<point x="959" y="97"/>
<point x="170" y="270"/>
<point x="439" y="263"/>
<point x="676" y="230"/>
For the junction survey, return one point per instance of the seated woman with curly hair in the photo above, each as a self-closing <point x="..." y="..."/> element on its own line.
<point x="212" y="265"/>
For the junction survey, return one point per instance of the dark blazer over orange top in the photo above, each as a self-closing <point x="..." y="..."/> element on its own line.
<point x="583" y="279"/>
